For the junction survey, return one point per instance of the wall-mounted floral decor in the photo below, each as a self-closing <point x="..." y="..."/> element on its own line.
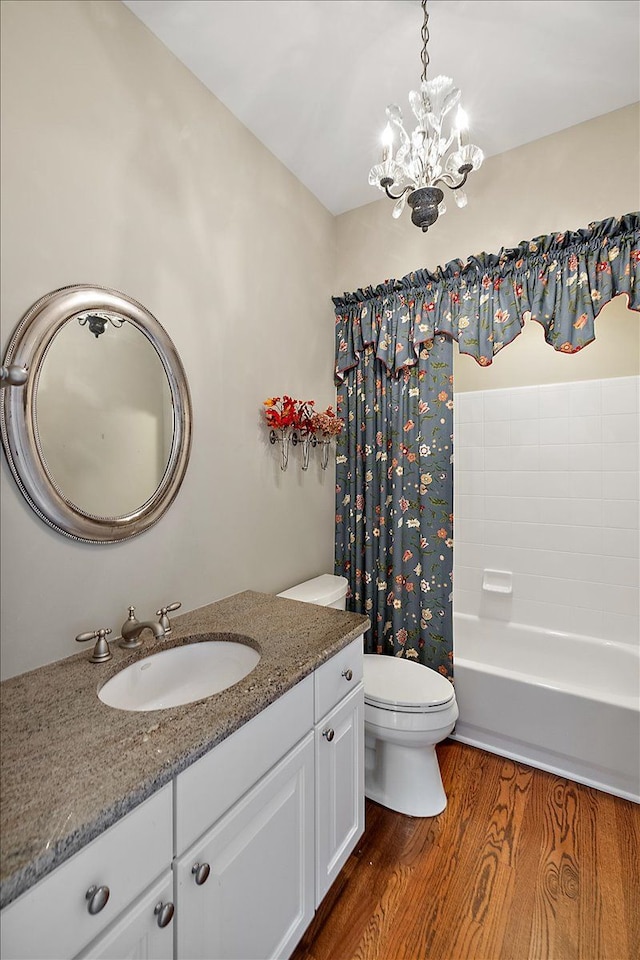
<point x="297" y="422"/>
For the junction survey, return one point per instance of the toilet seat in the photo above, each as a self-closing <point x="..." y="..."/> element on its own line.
<point x="404" y="686"/>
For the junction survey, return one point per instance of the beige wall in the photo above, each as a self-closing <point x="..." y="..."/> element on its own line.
<point x="120" y="169"/>
<point x="562" y="182"/>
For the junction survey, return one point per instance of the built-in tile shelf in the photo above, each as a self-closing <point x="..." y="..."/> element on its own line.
<point x="547" y="486"/>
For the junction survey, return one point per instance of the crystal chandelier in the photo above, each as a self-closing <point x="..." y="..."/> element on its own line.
<point x="430" y="156"/>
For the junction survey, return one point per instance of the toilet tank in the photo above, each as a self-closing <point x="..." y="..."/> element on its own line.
<point x="326" y="590"/>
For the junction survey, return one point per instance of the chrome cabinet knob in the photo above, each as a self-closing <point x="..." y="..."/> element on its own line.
<point x="97" y="897"/>
<point x="347" y="674"/>
<point x="201" y="872"/>
<point x="164" y="912"/>
<point x="329" y="734"/>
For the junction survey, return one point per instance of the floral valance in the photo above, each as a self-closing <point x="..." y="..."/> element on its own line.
<point x="562" y="280"/>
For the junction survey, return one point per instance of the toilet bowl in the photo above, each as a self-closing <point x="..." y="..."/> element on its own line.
<point x="409" y="708"/>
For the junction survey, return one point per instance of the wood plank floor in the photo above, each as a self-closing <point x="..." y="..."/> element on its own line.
<point x="522" y="865"/>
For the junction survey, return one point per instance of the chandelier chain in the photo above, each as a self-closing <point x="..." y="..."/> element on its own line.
<point x="435" y="155"/>
<point x="425" y="37"/>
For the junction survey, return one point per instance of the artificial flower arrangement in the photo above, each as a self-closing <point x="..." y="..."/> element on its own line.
<point x="297" y="420"/>
<point x="327" y="423"/>
<point x="282" y="413"/>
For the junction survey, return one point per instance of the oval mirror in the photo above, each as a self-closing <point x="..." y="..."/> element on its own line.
<point x="98" y="437"/>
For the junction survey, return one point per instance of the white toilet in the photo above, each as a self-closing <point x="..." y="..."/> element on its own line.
<point x="409" y="708"/>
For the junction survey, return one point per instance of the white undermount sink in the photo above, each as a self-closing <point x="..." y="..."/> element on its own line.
<point x="180" y="675"/>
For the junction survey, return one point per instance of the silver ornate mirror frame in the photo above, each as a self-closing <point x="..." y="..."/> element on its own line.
<point x="18" y="421"/>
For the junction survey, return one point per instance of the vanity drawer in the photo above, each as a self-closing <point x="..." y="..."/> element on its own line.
<point x="52" y="919"/>
<point x="338" y="677"/>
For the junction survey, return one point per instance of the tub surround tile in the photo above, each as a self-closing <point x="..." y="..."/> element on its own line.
<point x="496" y="405"/>
<point x="497" y="459"/>
<point x="497" y="433"/>
<point x="584" y="512"/>
<point x="586" y="429"/>
<point x="554" y="430"/>
<point x="471" y="458"/>
<point x="622" y="628"/>
<point x="498" y="509"/>
<point x="561" y="504"/>
<point x="470" y="507"/>
<point x="621" y="456"/>
<point x="620" y="543"/>
<point x="586" y="484"/>
<point x="622" y="514"/>
<point x="72" y="766"/>
<point x="468" y="434"/>
<point x="524" y="432"/>
<point x="621" y="485"/>
<point x="469" y="482"/>
<point x="585" y="398"/>
<point x="586" y="456"/>
<point x="524" y="458"/>
<point x="621" y="428"/>
<point x="523" y="509"/>
<point x="621" y="600"/>
<point x="554" y="402"/>
<point x="525" y="404"/>
<point x="550" y="456"/>
<point x="621" y="395"/>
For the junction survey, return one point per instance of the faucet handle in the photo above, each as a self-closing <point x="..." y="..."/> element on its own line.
<point x="164" y="619"/>
<point x="101" y="651"/>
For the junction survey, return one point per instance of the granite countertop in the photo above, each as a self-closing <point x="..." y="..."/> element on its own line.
<point x="72" y="766"/>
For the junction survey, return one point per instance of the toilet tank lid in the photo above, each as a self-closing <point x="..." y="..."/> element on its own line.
<point x="395" y="680"/>
<point x="324" y="590"/>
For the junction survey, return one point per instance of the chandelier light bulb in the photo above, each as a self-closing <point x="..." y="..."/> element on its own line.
<point x="462" y="119"/>
<point x="436" y="153"/>
<point x="387" y="143"/>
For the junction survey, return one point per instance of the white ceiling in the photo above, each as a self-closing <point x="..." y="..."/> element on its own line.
<point x="311" y="78"/>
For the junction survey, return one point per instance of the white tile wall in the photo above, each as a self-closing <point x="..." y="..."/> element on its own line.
<point x="547" y="485"/>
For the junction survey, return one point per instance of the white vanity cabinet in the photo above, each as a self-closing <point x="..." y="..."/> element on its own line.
<point x="229" y="861"/>
<point x="339" y="773"/>
<point x="54" y="918"/>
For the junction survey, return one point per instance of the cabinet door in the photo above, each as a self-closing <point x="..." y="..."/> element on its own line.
<point x="339" y="787"/>
<point x="137" y="935"/>
<point x="255" y="900"/>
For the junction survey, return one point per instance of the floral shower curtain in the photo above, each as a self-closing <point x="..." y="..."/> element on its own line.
<point x="394" y="474"/>
<point x="394" y="494"/>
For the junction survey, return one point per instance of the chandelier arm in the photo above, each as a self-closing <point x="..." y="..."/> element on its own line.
<point x="387" y="182"/>
<point x="448" y="181"/>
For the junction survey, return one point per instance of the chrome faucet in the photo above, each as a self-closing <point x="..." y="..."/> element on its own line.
<point x="132" y="628"/>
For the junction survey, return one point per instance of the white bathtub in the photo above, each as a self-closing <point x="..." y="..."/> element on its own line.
<point x="561" y="702"/>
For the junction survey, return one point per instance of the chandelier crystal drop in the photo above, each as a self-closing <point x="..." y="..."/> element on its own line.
<point x="436" y="153"/>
